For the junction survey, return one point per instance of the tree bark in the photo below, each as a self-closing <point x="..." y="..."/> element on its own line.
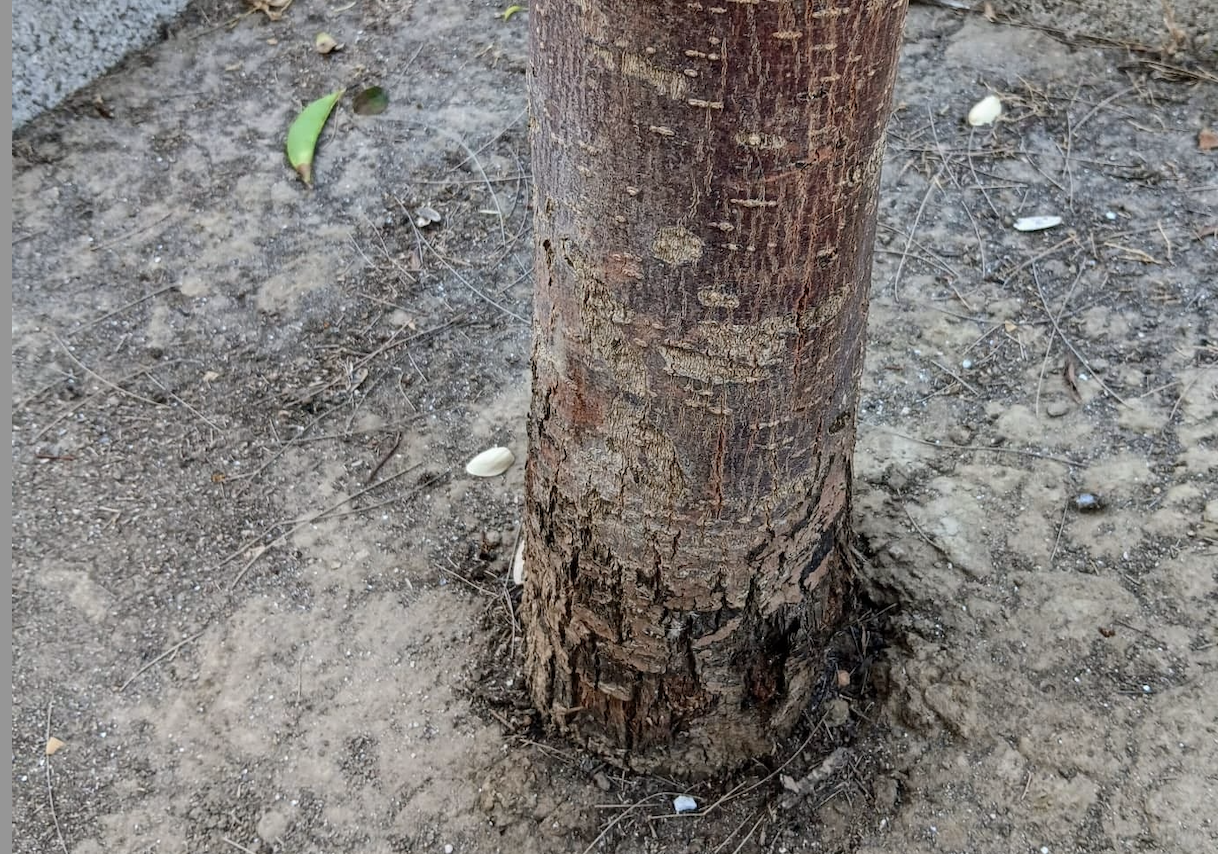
<point x="706" y="179"/>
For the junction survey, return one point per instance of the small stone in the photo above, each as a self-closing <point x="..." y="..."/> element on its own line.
<point x="486" y="799"/>
<point x="1057" y="408"/>
<point x="684" y="803"/>
<point x="886" y="791"/>
<point x="601" y="781"/>
<point x="448" y="849"/>
<point x="838" y="712"/>
<point x="843" y="678"/>
<point x="960" y="435"/>
<point x="1088" y="502"/>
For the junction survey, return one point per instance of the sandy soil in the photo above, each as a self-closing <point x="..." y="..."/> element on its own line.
<point x="265" y="610"/>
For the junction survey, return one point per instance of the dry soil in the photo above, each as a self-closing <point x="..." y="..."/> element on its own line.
<point x="265" y="610"/>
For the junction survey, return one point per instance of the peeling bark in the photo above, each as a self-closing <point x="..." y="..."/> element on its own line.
<point x="706" y="180"/>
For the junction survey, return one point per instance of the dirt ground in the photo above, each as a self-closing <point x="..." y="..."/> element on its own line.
<point x="264" y="608"/>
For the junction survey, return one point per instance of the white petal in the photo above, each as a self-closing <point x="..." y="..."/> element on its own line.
<point x="491" y="462"/>
<point x="985" y="111"/>
<point x="518" y="564"/>
<point x="1037" y="223"/>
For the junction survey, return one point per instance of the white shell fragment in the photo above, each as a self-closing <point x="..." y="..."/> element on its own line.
<point x="1037" y="223"/>
<point x="684" y="803"/>
<point x="985" y="112"/>
<point x="426" y="216"/>
<point x="518" y="565"/>
<point x="491" y="462"/>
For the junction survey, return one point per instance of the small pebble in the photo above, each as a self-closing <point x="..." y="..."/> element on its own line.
<point x="1087" y="502"/>
<point x="448" y="849"/>
<point x="1110" y="216"/>
<point x="960" y="435"/>
<point x="838" y="712"/>
<point x="684" y="803"/>
<point x="602" y="782"/>
<point x="1057" y="408"/>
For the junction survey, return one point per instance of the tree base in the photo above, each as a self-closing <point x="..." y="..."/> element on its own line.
<point x="686" y="722"/>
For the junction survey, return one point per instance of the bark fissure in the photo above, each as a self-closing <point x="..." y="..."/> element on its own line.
<point x="709" y="177"/>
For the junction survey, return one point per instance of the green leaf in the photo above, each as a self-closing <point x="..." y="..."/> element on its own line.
<point x="303" y="134"/>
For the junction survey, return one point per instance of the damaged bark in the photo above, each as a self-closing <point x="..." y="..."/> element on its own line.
<point x="706" y="179"/>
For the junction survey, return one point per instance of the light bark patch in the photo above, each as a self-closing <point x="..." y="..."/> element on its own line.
<point x="670" y="83"/>
<point x="719" y="353"/>
<point x="717" y="299"/>
<point x="755" y="139"/>
<point x="675" y="245"/>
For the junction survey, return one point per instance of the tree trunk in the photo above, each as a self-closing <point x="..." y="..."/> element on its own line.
<point x="706" y="179"/>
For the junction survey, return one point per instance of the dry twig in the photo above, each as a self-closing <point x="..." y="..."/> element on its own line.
<point x="164" y="655"/>
<point x="50" y="789"/>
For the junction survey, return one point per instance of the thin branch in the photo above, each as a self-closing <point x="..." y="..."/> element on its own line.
<point x="478" y="293"/>
<point x="164" y="655"/>
<point x="98" y="376"/>
<point x="50" y="790"/>
<point x="947" y="446"/>
<point x="1049" y="348"/>
<point x="122" y="308"/>
<point x="128" y="235"/>
<point x="1057" y="328"/>
<point x="896" y="278"/>
<point x="315" y="517"/>
<point x="956" y="377"/>
<point x="1060" y="527"/>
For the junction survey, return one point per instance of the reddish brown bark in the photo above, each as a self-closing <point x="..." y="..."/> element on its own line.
<point x="706" y="178"/>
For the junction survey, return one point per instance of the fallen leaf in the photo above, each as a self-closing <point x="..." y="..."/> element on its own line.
<point x="100" y="106"/>
<point x="510" y="11"/>
<point x="53" y="745"/>
<point x="986" y="111"/>
<point x="357" y="379"/>
<point x="1071" y="375"/>
<point x="304" y="131"/>
<point x="371" y="102"/>
<point x="1037" y="223"/>
<point x="273" y="9"/>
<point x="324" y="43"/>
<point x="1207" y="140"/>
